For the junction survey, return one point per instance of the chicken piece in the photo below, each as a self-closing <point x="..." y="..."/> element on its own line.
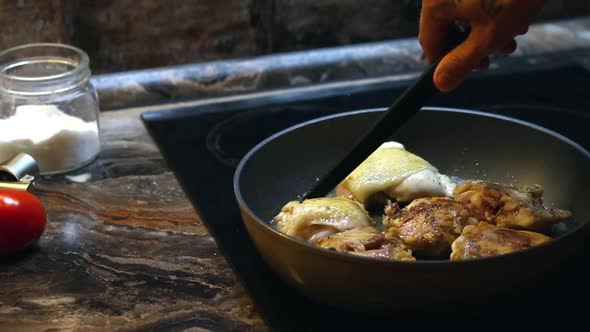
<point x="507" y="207"/>
<point x="396" y="251"/>
<point x="428" y="226"/>
<point x="315" y="218"/>
<point x="484" y="240"/>
<point x="361" y="238"/>
<point x="392" y="248"/>
<point x="391" y="172"/>
<point x="367" y="241"/>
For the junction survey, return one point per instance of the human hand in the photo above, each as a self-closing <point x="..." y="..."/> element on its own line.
<point x="494" y="24"/>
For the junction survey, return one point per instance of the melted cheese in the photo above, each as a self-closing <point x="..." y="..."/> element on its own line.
<point x="397" y="172"/>
<point x="424" y="183"/>
<point x="315" y="218"/>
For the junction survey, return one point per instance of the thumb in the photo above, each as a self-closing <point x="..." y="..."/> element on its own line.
<point x="457" y="64"/>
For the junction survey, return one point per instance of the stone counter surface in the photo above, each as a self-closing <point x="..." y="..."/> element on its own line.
<point x="222" y="78"/>
<point x="124" y="249"/>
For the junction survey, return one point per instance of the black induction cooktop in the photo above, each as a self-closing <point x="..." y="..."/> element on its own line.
<point x="204" y="143"/>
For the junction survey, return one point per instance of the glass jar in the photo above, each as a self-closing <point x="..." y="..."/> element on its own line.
<point x="48" y="107"/>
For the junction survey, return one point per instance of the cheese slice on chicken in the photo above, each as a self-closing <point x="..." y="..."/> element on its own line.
<point x="316" y="218"/>
<point x="397" y="173"/>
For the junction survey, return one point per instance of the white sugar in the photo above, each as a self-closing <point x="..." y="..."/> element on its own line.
<point x="58" y="141"/>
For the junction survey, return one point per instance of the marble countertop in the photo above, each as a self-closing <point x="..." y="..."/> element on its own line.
<point x="124" y="249"/>
<point x="396" y="57"/>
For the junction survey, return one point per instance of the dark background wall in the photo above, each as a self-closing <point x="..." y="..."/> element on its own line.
<point x="133" y="34"/>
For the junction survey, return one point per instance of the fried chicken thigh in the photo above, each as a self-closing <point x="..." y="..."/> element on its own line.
<point x="392" y="172"/>
<point x="428" y="226"/>
<point x="484" y="240"/>
<point x="393" y="251"/>
<point x="507" y="207"/>
<point x="315" y="218"/>
<point x="367" y="241"/>
<point x="361" y="238"/>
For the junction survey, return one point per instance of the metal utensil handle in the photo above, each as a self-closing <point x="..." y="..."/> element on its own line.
<point x="19" y="172"/>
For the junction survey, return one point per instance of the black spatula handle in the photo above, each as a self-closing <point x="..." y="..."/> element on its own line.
<point x="405" y="106"/>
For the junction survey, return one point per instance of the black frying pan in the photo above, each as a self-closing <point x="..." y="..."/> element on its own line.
<point x="458" y="142"/>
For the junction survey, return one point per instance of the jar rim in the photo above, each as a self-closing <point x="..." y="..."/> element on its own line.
<point x="81" y="65"/>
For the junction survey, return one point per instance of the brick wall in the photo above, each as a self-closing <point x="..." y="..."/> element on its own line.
<point x="133" y="34"/>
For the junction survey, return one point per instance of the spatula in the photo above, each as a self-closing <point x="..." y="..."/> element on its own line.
<point x="405" y="106"/>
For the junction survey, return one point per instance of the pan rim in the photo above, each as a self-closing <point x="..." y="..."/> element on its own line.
<point x="370" y="260"/>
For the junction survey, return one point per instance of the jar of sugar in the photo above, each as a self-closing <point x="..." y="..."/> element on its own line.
<point x="48" y="107"/>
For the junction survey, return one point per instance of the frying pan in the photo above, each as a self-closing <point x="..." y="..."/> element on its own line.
<point x="462" y="143"/>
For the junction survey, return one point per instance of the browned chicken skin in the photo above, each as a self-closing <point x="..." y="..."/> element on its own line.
<point x="508" y="207"/>
<point x="357" y="239"/>
<point x="367" y="241"/>
<point x="484" y="240"/>
<point x="428" y="226"/>
<point x="393" y="251"/>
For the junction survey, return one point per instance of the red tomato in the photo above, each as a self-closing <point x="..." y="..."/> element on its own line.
<point x="22" y="220"/>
